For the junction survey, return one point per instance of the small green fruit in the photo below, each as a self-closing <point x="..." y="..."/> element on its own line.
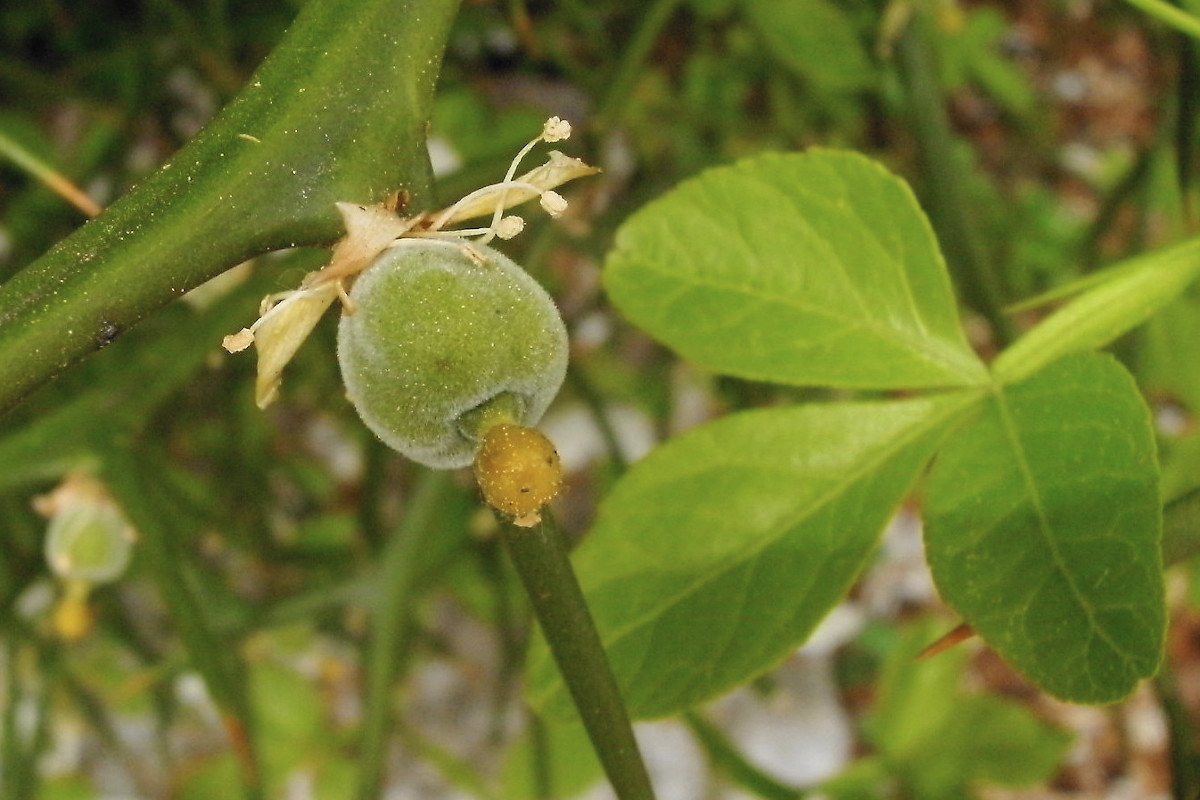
<point x="442" y="332"/>
<point x="88" y="541"/>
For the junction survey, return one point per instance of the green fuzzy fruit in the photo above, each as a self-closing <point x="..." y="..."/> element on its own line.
<point x="446" y="335"/>
<point x="89" y="542"/>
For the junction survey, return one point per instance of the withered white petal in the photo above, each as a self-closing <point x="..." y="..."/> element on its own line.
<point x="279" y="334"/>
<point x="557" y="170"/>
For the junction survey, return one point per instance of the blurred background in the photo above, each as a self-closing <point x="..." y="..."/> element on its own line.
<point x="1045" y="138"/>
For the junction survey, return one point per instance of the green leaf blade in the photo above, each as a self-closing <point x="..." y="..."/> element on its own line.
<point x="814" y="39"/>
<point x="722" y="551"/>
<point x="1043" y="530"/>
<point x="820" y="267"/>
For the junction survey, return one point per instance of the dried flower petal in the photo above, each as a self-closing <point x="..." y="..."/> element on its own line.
<point x="557" y="170"/>
<point x="369" y="230"/>
<point x="281" y="331"/>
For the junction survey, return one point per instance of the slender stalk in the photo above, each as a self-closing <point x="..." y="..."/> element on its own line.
<point x="513" y="637"/>
<point x="1131" y="182"/>
<point x="459" y="771"/>
<point x="1186" y="110"/>
<point x="389" y="647"/>
<point x="540" y="556"/>
<point x="595" y="406"/>
<point x="727" y="759"/>
<point x="17" y="781"/>
<point x="592" y="25"/>
<point x="131" y="475"/>
<point x="543" y="779"/>
<point x="1184" y="760"/>
<point x="624" y="77"/>
<point x="1181" y="528"/>
<point x="1168" y="14"/>
<point x="52" y="178"/>
<point x="950" y="210"/>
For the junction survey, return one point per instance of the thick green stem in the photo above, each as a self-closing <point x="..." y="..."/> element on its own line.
<point x="540" y="556"/>
<point x="337" y="112"/>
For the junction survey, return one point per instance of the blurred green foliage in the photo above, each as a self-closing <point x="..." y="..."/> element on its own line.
<point x="266" y="536"/>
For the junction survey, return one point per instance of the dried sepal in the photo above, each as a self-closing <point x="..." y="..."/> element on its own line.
<point x="511" y="191"/>
<point x="558" y="169"/>
<point x="369" y="230"/>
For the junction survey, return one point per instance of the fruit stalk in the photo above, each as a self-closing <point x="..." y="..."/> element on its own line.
<point x="540" y="556"/>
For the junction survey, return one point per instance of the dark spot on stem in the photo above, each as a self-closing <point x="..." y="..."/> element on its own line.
<point x="107" y="334"/>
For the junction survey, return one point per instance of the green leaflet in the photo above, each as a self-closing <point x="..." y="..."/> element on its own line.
<point x="1043" y="527"/>
<point x="812" y="269"/>
<point x="724" y="548"/>
<point x="815" y="40"/>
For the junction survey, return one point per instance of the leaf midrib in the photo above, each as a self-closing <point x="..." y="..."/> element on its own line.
<point x="897" y="259"/>
<point x="1044" y="527"/>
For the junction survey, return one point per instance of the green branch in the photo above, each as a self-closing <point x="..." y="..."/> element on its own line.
<point x="337" y="112"/>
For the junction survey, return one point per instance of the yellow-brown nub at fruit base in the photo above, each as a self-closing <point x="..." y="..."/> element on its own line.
<point x="73" y="617"/>
<point x="518" y="471"/>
